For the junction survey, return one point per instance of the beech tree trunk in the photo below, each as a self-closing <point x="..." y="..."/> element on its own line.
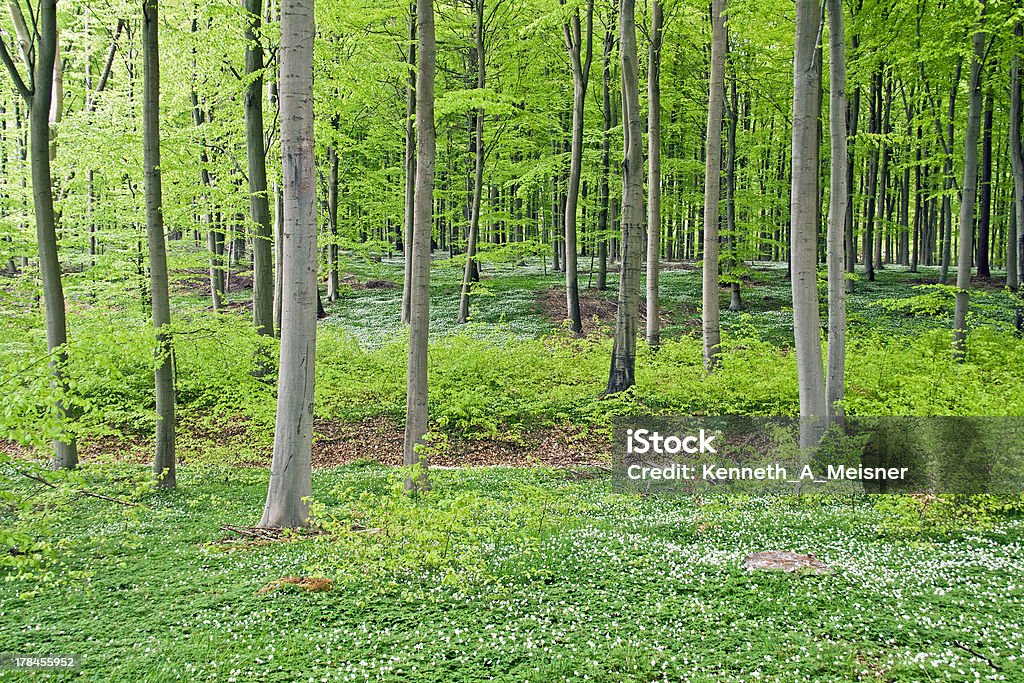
<point x="621" y="375"/>
<point x="654" y="175"/>
<point x="1016" y="149"/>
<point x="606" y="138"/>
<point x="947" y="204"/>
<point x="419" y="309"/>
<point x="40" y="64"/>
<point x="804" y="228"/>
<point x="713" y="186"/>
<point x="164" y="460"/>
<point x="840" y="197"/>
<point x="291" y="468"/>
<point x="410" y="166"/>
<point x="256" y="155"/>
<point x="985" y="191"/>
<point x="581" y="52"/>
<point x="470" y="275"/>
<point x="332" y="224"/>
<point x="968" y="196"/>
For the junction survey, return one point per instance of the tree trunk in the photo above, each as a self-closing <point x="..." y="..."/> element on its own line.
<point x="606" y="139"/>
<point x="840" y="197"/>
<point x="38" y="100"/>
<point x="410" y="165"/>
<point x="581" y="51"/>
<point x="164" y="460"/>
<point x="850" y="243"/>
<point x="947" y="205"/>
<point x="291" y="468"/>
<point x="471" y="274"/>
<point x="712" y="186"/>
<point x="256" y="155"/>
<point x="967" y="198"/>
<point x="985" y="191"/>
<point x="621" y="375"/>
<point x="1016" y="149"/>
<point x="332" y="224"/>
<point x="654" y="176"/>
<point x="804" y="229"/>
<point x="419" y="319"/>
<point x="735" y="299"/>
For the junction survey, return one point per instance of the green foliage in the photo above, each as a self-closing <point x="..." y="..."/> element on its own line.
<point x="505" y="574"/>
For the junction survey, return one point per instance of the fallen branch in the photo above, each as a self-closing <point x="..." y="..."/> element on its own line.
<point x="82" y="492"/>
<point x="977" y="654"/>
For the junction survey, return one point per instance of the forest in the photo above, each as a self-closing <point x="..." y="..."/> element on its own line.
<point x="324" y="324"/>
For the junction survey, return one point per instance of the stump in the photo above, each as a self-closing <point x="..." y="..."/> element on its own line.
<point x="784" y="561"/>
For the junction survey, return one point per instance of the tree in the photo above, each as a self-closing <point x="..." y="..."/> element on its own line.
<point x="654" y="174"/>
<point x="839" y="198"/>
<point x="622" y="373"/>
<point x="164" y="460"/>
<point x="470" y="272"/>
<point x="581" y="55"/>
<point x="968" y="194"/>
<point x="419" y="293"/>
<point x="606" y="140"/>
<point x="291" y="477"/>
<point x="1016" y="150"/>
<point x="803" y="221"/>
<point x="38" y="53"/>
<point x="713" y="185"/>
<point x="410" y="165"/>
<point x="256" y="155"/>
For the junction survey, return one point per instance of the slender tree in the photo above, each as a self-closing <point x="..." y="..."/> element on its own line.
<point x="622" y="373"/>
<point x="713" y="185"/>
<point x="38" y="52"/>
<point x="606" y="146"/>
<point x="969" y="193"/>
<point x="473" y="234"/>
<point x="410" y="164"/>
<point x="581" y="54"/>
<point x="1016" y="150"/>
<point x="804" y="224"/>
<point x="291" y="472"/>
<point x="419" y="294"/>
<point x="256" y="156"/>
<point x="654" y="173"/>
<point x="839" y="198"/>
<point x="164" y="460"/>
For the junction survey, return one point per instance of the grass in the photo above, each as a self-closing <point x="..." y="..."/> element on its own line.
<point x="571" y="581"/>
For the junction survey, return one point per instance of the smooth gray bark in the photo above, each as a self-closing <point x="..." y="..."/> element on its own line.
<point x="1016" y="150"/>
<point x="256" y="156"/>
<point x="713" y="187"/>
<point x="470" y="271"/>
<point x="419" y="309"/>
<point x="581" y="53"/>
<point x="967" y="198"/>
<point x="804" y="228"/>
<point x="332" y="224"/>
<point x="621" y="375"/>
<point x="654" y="174"/>
<point x="839" y="198"/>
<point x="164" y="458"/>
<point x="291" y="468"/>
<point x="410" y="166"/>
<point x="40" y="64"/>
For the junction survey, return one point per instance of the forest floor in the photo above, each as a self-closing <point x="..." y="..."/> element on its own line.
<point x="523" y="563"/>
<point x="511" y="574"/>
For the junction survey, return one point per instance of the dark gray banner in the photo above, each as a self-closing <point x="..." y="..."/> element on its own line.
<point x="763" y="456"/>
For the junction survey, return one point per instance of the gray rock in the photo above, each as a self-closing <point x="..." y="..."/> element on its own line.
<point x="785" y="561"/>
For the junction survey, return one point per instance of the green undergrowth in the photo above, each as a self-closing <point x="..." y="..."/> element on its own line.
<point x="502" y="574"/>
